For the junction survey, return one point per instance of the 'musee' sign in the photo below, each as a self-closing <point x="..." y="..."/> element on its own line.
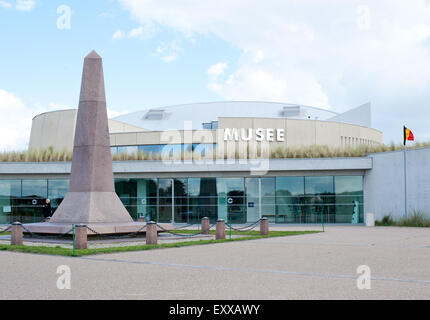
<point x="258" y="134"/>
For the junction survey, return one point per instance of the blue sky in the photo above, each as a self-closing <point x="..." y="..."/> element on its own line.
<point x="331" y="54"/>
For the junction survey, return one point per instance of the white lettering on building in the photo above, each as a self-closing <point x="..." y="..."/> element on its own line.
<point x="258" y="134"/>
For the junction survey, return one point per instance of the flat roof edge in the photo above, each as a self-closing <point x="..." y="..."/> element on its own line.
<point x="156" y="166"/>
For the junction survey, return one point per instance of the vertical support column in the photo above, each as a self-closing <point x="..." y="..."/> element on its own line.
<point x="173" y="200"/>
<point x="205" y="225"/>
<point x="151" y="233"/>
<point x="81" y="236"/>
<point x="264" y="227"/>
<point x="16" y="238"/>
<point x="260" y="209"/>
<point x="220" y="229"/>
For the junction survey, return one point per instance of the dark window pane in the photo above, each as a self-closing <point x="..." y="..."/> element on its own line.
<point x="10" y="193"/>
<point x="34" y="195"/>
<point x="290" y="199"/>
<point x="57" y="190"/>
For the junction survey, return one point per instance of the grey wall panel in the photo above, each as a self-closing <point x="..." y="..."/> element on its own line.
<point x="384" y="184"/>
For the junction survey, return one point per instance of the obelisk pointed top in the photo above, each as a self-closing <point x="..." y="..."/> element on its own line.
<point x="92" y="87"/>
<point x="93" y="55"/>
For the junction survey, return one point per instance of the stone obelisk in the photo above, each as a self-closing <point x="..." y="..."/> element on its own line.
<point x="91" y="197"/>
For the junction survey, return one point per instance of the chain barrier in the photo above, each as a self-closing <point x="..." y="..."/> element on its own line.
<point x="243" y="229"/>
<point x="128" y="235"/>
<point x="188" y="225"/>
<point x="39" y="236"/>
<point x="181" y="234"/>
<point x="6" y="230"/>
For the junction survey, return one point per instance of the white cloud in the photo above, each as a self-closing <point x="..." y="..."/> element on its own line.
<point x="25" y="5"/>
<point x="318" y="52"/>
<point x="118" y="34"/>
<point x="16" y="119"/>
<point x="15" y="122"/>
<point x="142" y="32"/>
<point x="5" y="4"/>
<point x="168" y="51"/>
<point x="217" y="69"/>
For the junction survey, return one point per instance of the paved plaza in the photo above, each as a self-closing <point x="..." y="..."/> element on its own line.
<point x="314" y="266"/>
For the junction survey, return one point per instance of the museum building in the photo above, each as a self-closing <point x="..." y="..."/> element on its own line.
<point x="190" y="169"/>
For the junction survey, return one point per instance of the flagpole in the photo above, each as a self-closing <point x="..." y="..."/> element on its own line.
<point x="404" y="172"/>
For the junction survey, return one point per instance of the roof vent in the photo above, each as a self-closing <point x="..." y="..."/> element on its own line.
<point x="210" y="125"/>
<point x="155" y="114"/>
<point x="290" y="111"/>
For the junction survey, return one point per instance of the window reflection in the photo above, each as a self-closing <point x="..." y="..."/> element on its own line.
<point x="310" y="199"/>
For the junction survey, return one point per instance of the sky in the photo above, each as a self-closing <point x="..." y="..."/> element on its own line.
<point x="332" y="54"/>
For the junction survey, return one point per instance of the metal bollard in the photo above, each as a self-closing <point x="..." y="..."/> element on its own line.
<point x="81" y="236"/>
<point x="151" y="233"/>
<point x="16" y="238"/>
<point x="220" y="229"/>
<point x="141" y="219"/>
<point x="264" y="227"/>
<point x="205" y="225"/>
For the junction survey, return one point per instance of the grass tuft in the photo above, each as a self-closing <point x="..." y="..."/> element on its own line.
<point x="313" y="151"/>
<point x="416" y="219"/>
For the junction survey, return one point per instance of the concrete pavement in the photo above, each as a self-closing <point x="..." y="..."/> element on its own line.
<point x="315" y="266"/>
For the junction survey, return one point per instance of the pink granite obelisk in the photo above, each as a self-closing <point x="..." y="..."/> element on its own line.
<point x="91" y="197"/>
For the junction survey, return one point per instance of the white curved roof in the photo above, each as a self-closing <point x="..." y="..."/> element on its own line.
<point x="173" y="117"/>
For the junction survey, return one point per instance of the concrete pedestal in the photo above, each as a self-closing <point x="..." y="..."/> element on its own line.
<point x="151" y="233"/>
<point x="220" y="229"/>
<point x="80" y="236"/>
<point x="264" y="227"/>
<point x="16" y="238"/>
<point x="205" y="225"/>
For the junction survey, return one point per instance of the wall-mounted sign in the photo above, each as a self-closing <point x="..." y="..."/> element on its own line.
<point x="250" y="204"/>
<point x="230" y="200"/>
<point x="259" y="134"/>
<point x="34" y="201"/>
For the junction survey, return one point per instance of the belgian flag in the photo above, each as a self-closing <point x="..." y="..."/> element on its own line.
<point x="407" y="135"/>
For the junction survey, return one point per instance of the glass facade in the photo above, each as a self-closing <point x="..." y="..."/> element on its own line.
<point x="303" y="199"/>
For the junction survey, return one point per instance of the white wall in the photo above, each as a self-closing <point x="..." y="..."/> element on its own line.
<point x="384" y="184"/>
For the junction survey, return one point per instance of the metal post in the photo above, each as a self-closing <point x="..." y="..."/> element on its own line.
<point x="230" y="226"/>
<point x="322" y="220"/>
<point x="260" y="209"/>
<point x="173" y="200"/>
<point x="404" y="170"/>
<point x="73" y="232"/>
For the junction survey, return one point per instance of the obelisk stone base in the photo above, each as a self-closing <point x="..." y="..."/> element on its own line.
<point x="99" y="228"/>
<point x="91" y="207"/>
